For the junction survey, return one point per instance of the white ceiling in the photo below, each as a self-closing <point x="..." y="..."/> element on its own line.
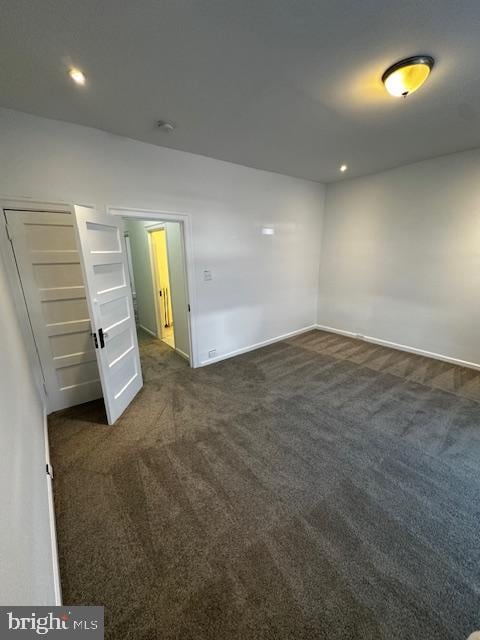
<point x="285" y="85"/>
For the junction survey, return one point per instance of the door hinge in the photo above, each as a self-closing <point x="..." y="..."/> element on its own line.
<point x="49" y="470"/>
<point x="188" y="307"/>
<point x="45" y="388"/>
<point x="94" y="336"/>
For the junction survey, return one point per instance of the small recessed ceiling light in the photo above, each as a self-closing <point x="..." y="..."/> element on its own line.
<point x="343" y="168"/>
<point x="77" y="76"/>
<point x="406" y="76"/>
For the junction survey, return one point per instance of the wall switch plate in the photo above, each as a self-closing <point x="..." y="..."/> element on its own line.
<point x="207" y="275"/>
<point x="212" y="353"/>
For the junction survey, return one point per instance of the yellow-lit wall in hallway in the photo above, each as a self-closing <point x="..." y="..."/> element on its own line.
<point x="159" y="246"/>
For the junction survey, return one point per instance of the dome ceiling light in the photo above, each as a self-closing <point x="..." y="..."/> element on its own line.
<point x="406" y="76"/>
<point x="77" y="76"/>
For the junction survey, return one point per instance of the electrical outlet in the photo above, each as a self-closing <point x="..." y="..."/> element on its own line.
<point x="212" y="353"/>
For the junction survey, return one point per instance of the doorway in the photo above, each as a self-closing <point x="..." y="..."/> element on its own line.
<point x="69" y="266"/>
<point x="162" y="288"/>
<point x="158" y="269"/>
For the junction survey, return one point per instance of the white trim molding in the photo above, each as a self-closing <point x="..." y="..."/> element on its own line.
<point x="401" y="347"/>
<point x="182" y="354"/>
<point x="257" y="345"/>
<point x="144" y="328"/>
<point x="57" y="585"/>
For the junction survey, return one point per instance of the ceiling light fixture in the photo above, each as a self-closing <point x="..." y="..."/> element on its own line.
<point x="77" y="76"/>
<point x="406" y="76"/>
<point x="343" y="168"/>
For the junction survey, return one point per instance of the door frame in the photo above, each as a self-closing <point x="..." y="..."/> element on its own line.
<point x="189" y="264"/>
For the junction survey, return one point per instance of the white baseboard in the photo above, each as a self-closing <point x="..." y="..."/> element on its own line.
<point x="257" y="345"/>
<point x="402" y="347"/>
<point x="349" y="334"/>
<point x="57" y="585"/>
<point x="152" y="333"/>
<point x="183" y="354"/>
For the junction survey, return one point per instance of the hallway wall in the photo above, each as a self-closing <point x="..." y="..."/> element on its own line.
<point x="262" y="286"/>
<point x="26" y="562"/>
<point x="142" y="274"/>
<point x="178" y="286"/>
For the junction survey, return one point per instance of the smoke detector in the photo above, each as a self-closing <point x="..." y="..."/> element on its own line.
<point x="163" y="125"/>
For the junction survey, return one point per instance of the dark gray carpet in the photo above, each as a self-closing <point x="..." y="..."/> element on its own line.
<point x="317" y="488"/>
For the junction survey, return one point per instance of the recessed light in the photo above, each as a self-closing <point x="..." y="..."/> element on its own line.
<point x="343" y="168"/>
<point x="268" y="231"/>
<point x="77" y="76"/>
<point x="406" y="76"/>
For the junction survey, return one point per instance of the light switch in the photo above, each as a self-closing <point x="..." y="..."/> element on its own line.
<point x="207" y="275"/>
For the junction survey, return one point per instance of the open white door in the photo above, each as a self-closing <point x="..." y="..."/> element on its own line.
<point x="109" y="298"/>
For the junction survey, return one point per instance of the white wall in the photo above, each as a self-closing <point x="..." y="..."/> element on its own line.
<point x="401" y="256"/>
<point x="263" y="286"/>
<point x="26" y="569"/>
<point x="142" y="274"/>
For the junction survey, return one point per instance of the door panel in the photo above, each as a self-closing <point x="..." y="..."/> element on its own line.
<point x="109" y="298"/>
<point x="49" y="266"/>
